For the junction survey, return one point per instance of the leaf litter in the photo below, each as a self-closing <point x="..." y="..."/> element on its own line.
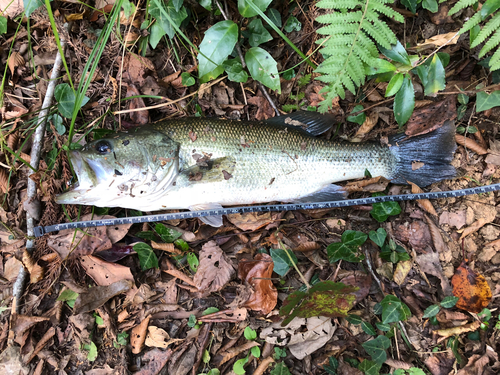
<point x="169" y="310"/>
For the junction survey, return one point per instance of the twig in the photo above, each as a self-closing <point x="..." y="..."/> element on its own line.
<point x="36" y="149"/>
<point x="264" y="91"/>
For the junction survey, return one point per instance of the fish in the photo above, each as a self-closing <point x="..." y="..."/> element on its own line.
<point x="205" y="163"/>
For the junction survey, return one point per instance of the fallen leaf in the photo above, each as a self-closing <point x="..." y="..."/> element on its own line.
<point x="470" y="144"/>
<point x="477" y="363"/>
<point x="440" y="40"/>
<point x="257" y="273"/>
<point x="252" y="220"/>
<point x="157" y="337"/>
<point x="180" y="275"/>
<point x="424" y="204"/>
<point x="372" y="185"/>
<point x="233" y="352"/>
<point x="473" y="228"/>
<point x="215" y="269"/>
<point x="154" y="361"/>
<point x="360" y="280"/>
<point x="431" y="117"/>
<point x="369" y="123"/>
<point x="402" y="270"/>
<point x="445" y="254"/>
<point x="429" y="263"/>
<point x="319" y="330"/>
<point x="105" y="273"/>
<point x="471" y="288"/>
<point x="97" y="296"/>
<point x="168" y="247"/>
<point x="455" y="219"/>
<point x="448" y="332"/>
<point x="138" y="335"/>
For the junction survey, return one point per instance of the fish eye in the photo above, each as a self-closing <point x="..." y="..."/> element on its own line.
<point x="103" y="147"/>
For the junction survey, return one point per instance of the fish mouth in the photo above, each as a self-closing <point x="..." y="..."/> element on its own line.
<point x="89" y="175"/>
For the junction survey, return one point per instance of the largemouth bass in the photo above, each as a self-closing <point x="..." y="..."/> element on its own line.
<point x="203" y="163"/>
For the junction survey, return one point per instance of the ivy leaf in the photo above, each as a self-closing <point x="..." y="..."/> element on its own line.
<point x="246" y="9"/>
<point x="156" y="32"/>
<point x="430" y="5"/>
<point x="382" y="211"/>
<point x="92" y="355"/>
<point x="332" y="366"/>
<point x="235" y="71"/>
<point x="358" y="119"/>
<point x="449" y="302"/>
<point x="376" y="348"/>
<point x="394" y="85"/>
<point x="280" y="369"/>
<point x="193" y="261"/>
<point x="31" y="5"/>
<point x="369" y="367"/>
<point x="263" y="68"/>
<point x="281" y="261"/>
<point x="177" y="4"/>
<point x="292" y="24"/>
<point x="486" y="101"/>
<point x="274" y="16"/>
<point x="187" y="80"/>
<point x="383" y="327"/>
<point x="217" y="44"/>
<point x="257" y="33"/>
<point x="431" y="311"/>
<point x="166" y="234"/>
<point x="354" y="319"/>
<point x="397" y="53"/>
<point x="391" y="309"/>
<point x="404" y="102"/>
<point x="435" y="77"/>
<point x="147" y="257"/>
<point x="3" y="25"/>
<point x="66" y="98"/>
<point x="378" y="237"/>
<point x="176" y="16"/>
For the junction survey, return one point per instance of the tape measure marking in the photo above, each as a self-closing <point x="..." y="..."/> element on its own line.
<point x="41" y="230"/>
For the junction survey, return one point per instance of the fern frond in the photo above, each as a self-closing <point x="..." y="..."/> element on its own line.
<point x="495" y="60"/>
<point x="462" y="4"/>
<point x="490" y="44"/>
<point x="492" y="25"/>
<point x="354" y="29"/>
<point x="473" y="21"/>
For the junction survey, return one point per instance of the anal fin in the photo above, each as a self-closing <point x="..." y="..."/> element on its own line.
<point x="328" y="193"/>
<point x="214" y="221"/>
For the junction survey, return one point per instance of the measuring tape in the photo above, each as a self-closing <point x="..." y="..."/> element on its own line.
<point x="40" y="231"/>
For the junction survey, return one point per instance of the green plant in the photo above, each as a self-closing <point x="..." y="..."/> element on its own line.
<point x="389" y="251"/>
<point x="92" y="351"/>
<point x="347" y="249"/>
<point x="280" y="369"/>
<point x="490" y="30"/>
<point x="381" y="211"/>
<point x="121" y="340"/>
<point x="352" y="30"/>
<point x="69" y="297"/>
<point x="447" y="303"/>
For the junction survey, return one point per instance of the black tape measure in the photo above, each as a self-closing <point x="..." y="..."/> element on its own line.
<point x="40" y="231"/>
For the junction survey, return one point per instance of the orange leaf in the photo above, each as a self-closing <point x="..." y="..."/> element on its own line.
<point x="470" y="144"/>
<point x="472" y="289"/>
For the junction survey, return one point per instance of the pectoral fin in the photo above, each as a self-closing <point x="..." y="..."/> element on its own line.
<point x="312" y="122"/>
<point x="329" y="193"/>
<point x="214" y="221"/>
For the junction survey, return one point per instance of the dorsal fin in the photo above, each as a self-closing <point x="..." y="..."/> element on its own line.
<point x="313" y="123"/>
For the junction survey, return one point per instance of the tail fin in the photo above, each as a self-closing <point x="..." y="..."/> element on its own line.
<point x="424" y="159"/>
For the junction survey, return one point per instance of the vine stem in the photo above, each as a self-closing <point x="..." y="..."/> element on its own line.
<point x="291" y="260"/>
<point x="36" y="150"/>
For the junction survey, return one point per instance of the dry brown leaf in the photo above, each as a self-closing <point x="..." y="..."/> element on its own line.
<point x="429" y="263"/>
<point x="440" y="40"/>
<point x="11" y="268"/>
<point x="12" y="140"/>
<point x="215" y="269"/>
<point x="97" y="296"/>
<point x="138" y="335"/>
<point x="476" y="363"/>
<point x="470" y="144"/>
<point x="180" y="275"/>
<point x="402" y="270"/>
<point x="371" y="185"/>
<point x="471" y="288"/>
<point x="231" y="316"/>
<point x="398" y="364"/>
<point x="369" y="123"/>
<point x="473" y="228"/>
<point x="308" y="246"/>
<point x="361" y="280"/>
<point x="40" y="344"/>
<point x="4" y="181"/>
<point x="252" y="220"/>
<point x="424" y="204"/>
<point x="422" y="103"/>
<point x="458" y="330"/>
<point x="168" y="247"/>
<point x="158" y="338"/>
<point x="15" y="61"/>
<point x="437" y="239"/>
<point x="257" y="273"/>
<point x="262" y="367"/>
<point x="130" y="38"/>
<point x="105" y="273"/>
<point x="233" y="352"/>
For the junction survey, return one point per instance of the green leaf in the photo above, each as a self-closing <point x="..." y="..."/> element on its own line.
<point x="192" y="321"/>
<point x="489" y="7"/>
<point x="217" y="44"/>
<point x="193" y="261"/>
<point x="354" y="238"/>
<point x="376" y="348"/>
<point x="176" y="16"/>
<point x="289" y="74"/>
<point x="250" y="334"/>
<point x="396" y="53"/>
<point x="415" y="371"/>
<point x="485" y="315"/>
<point x="210" y="310"/>
<point x="358" y="119"/>
<point x="238" y="366"/>
<point x="147" y="235"/>
<point x="275" y="16"/>
<point x="292" y="24"/>
<point x="121" y="338"/>
<point x="69" y="297"/>
<point x="332" y="366"/>
<point x="181" y="244"/>
<point x="325" y="298"/>
<point x="369" y="367"/>
<point x="147" y="257"/>
<point x="263" y="68"/>
<point x="212" y="75"/>
<point x="257" y="33"/>
<point x="281" y="261"/>
<point x="58" y="124"/>
<point x="435" y="77"/>
<point x="378" y="237"/>
<point x="255" y="351"/>
<point x="3" y="25"/>
<point x="411" y="5"/>
<point x="92" y="355"/>
<point x="383" y="327"/>
<point x="280" y="369"/>
<point x="187" y="80"/>
<point x="66" y="98"/>
<point x="337" y="251"/>
<point x="354" y="319"/>
<point x="404" y="102"/>
<point x="449" y="302"/>
<point x="382" y="211"/>
<point x="463" y="99"/>
<point x="379" y="66"/>
<point x="430" y="5"/>
<point x="431" y="311"/>
<point x="167" y="235"/>
<point x="207" y="4"/>
<point x="247" y="11"/>
<point x="235" y="71"/>
<point x="368" y="328"/>
<point x="177" y="4"/>
<point x="391" y="309"/>
<point x="460" y="114"/>
<point x="486" y="101"/>
<point x="394" y="85"/>
<point x="31" y="5"/>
